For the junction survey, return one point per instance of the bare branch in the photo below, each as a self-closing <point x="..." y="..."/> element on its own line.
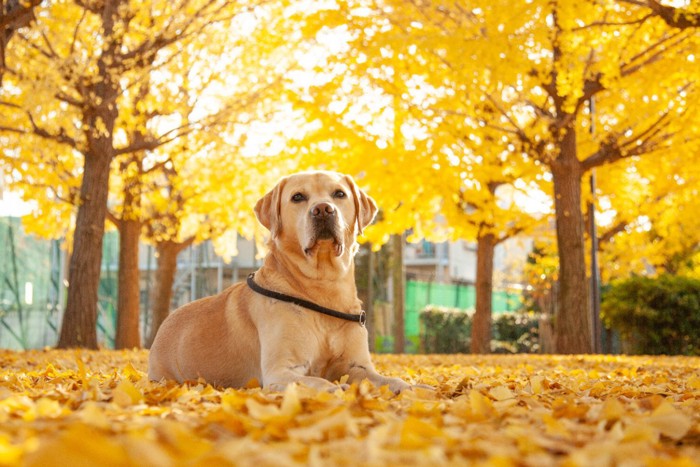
<point x="189" y="241"/>
<point x="653" y="53"/>
<point x="61" y="137"/>
<point x="114" y="219"/>
<point x="8" y="129"/>
<point x="510" y="232"/>
<point x="610" y="233"/>
<point x="613" y="23"/>
<point x="613" y="149"/>
<point x="144" y="53"/>
<point x="63" y="97"/>
<point x="76" y="31"/>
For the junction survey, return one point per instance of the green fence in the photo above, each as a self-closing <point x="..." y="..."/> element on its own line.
<point x="32" y="290"/>
<point x="421" y="294"/>
<point x="29" y="284"/>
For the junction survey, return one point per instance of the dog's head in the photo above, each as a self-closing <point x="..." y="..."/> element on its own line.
<point x="316" y="211"/>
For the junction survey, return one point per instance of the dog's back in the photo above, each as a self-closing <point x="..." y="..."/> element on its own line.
<point x="212" y="338"/>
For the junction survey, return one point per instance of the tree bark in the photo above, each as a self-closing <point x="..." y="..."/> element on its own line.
<point x="128" y="312"/>
<point x="572" y="327"/>
<point x="128" y="303"/>
<point x="163" y="291"/>
<point x="481" y="325"/>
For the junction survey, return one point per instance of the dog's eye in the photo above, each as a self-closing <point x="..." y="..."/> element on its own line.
<point x="339" y="194"/>
<point x="298" y="198"/>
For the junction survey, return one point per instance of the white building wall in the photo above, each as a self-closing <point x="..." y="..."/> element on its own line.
<point x="462" y="261"/>
<point x="508" y="262"/>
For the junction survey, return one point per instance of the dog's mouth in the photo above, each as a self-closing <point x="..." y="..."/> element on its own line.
<point x="325" y="233"/>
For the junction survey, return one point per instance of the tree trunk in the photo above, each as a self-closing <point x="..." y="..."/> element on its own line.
<point x="364" y="278"/>
<point x="163" y="291"/>
<point x="128" y="313"/>
<point x="398" y="274"/>
<point x="128" y="301"/>
<point x="369" y="305"/>
<point x="481" y="325"/>
<point x="572" y="325"/>
<point x="79" y="326"/>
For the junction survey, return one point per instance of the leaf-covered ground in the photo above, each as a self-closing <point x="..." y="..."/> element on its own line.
<point x="98" y="408"/>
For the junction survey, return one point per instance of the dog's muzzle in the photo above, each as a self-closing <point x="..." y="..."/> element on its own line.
<point x="325" y="218"/>
<point x="325" y="225"/>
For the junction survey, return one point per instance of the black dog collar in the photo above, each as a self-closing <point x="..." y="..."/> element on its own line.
<point x="360" y="318"/>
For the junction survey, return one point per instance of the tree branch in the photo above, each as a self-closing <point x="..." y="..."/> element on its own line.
<point x="659" y="48"/>
<point x="8" y="129"/>
<point x="189" y="241"/>
<point x="674" y="17"/>
<point x="17" y="17"/>
<point x="114" y="219"/>
<point x="61" y="137"/>
<point x="610" y="233"/>
<point x="509" y="233"/>
<point x="612" y="149"/>
<point x="613" y="23"/>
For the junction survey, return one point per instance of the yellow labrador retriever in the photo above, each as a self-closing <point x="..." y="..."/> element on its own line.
<point x="252" y="331"/>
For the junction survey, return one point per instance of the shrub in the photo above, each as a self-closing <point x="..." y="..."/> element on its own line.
<point x="520" y="330"/>
<point x="448" y="330"/>
<point x="655" y="315"/>
<point x="445" y="330"/>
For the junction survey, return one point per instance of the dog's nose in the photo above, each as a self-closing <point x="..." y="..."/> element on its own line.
<point x="323" y="211"/>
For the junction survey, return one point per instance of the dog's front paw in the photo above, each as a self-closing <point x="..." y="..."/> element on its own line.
<point x="421" y="391"/>
<point x="402" y="387"/>
<point x="397" y="385"/>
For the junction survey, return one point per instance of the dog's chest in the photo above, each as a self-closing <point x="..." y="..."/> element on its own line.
<point x="330" y="360"/>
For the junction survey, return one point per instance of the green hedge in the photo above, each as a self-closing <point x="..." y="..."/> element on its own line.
<point x="655" y="316"/>
<point x="445" y="330"/>
<point x="519" y="331"/>
<point x="448" y="330"/>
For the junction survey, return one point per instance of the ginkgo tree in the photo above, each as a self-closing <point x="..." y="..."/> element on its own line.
<point x="528" y="74"/>
<point x="383" y="112"/>
<point x="162" y="189"/>
<point x="202" y="195"/>
<point x="545" y="61"/>
<point x="69" y="89"/>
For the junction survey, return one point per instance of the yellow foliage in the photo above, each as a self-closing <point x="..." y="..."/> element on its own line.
<point x="98" y="408"/>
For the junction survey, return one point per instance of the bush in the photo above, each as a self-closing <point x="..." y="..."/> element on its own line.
<point x="445" y="330"/>
<point x="448" y="330"/>
<point x="519" y="330"/>
<point x="655" y="315"/>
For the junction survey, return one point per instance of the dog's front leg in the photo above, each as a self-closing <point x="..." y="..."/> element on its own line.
<point x="279" y="376"/>
<point x="360" y="371"/>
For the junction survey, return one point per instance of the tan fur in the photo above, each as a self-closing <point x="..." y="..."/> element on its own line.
<point x="239" y="335"/>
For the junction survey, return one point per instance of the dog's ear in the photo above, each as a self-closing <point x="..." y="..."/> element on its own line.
<point x="268" y="209"/>
<point x="365" y="207"/>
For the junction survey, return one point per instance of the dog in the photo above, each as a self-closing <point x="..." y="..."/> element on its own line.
<point x="241" y="335"/>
